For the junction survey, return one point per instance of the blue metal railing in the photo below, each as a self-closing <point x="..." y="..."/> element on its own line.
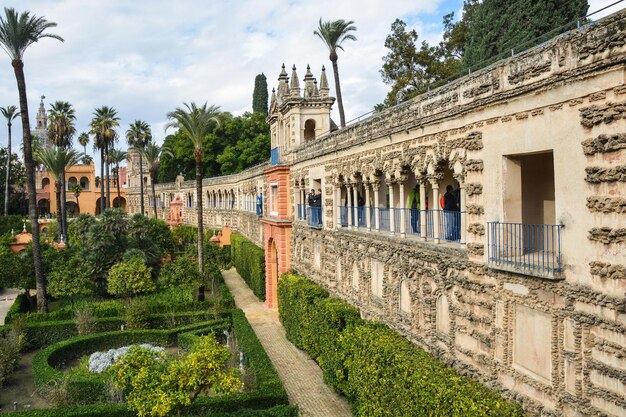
<point x="412" y="219"/>
<point x="430" y="224"/>
<point x="449" y="225"/>
<point x="397" y="220"/>
<point x="275" y="156"/>
<point x="383" y="218"/>
<point x="533" y="249"/>
<point x="361" y="217"/>
<point x="301" y="211"/>
<point x="314" y="217"/>
<point x="343" y="215"/>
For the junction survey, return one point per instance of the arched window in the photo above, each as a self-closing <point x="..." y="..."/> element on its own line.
<point x="309" y="130"/>
<point x="84" y="183"/>
<point x="71" y="183"/>
<point x="45" y="183"/>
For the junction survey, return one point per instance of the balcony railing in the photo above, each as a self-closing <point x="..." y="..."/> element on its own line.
<point x="343" y="215"/>
<point x="314" y="217"/>
<point x="449" y="225"/>
<point x="532" y="249"/>
<point x="301" y="211"/>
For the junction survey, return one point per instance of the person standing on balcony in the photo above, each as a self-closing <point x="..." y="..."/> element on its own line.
<point x="414" y="206"/>
<point x="450" y="212"/>
<point x="259" y="204"/>
<point x="311" y="202"/>
<point x="318" y="206"/>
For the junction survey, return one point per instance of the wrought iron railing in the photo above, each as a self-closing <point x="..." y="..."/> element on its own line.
<point x="301" y="211"/>
<point x="449" y="225"/>
<point x="412" y="222"/>
<point x="343" y="215"/>
<point x="533" y="249"/>
<point x="383" y="219"/>
<point x="314" y="217"/>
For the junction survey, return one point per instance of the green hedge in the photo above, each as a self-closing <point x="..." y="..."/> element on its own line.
<point x="20" y="305"/>
<point x="249" y="260"/>
<point x="42" y="334"/>
<point x="269" y="390"/>
<point x="374" y="366"/>
<point x="119" y="410"/>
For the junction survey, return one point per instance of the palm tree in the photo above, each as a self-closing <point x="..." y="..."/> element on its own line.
<point x="333" y="33"/>
<point x="103" y="125"/>
<point x="152" y="153"/>
<point x="116" y="157"/>
<point x="195" y="124"/>
<point x="56" y="159"/>
<point x="61" y="118"/>
<point x="83" y="139"/>
<point x="76" y="189"/>
<point x="10" y="113"/>
<point x="17" y="33"/>
<point x="139" y="135"/>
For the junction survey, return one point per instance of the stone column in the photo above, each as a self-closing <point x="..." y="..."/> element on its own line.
<point x="422" y="212"/>
<point x="350" y="212"/>
<point x="337" y="203"/>
<point x="392" y="219"/>
<point x="463" y="223"/>
<point x="296" y="191"/>
<point x="435" y="203"/>
<point x="355" y="206"/>
<point x="402" y="210"/>
<point x="367" y="206"/>
<point x="375" y="186"/>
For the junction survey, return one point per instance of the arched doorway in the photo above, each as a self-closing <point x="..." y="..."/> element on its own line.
<point x="72" y="209"/>
<point x="98" y="211"/>
<point x="43" y="207"/>
<point x="271" y="265"/>
<point x="119" y="203"/>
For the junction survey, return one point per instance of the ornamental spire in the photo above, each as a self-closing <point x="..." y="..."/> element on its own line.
<point x="324" y="90"/>
<point x="295" y="84"/>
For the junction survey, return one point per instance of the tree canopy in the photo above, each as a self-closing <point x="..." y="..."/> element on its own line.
<point x="260" y="95"/>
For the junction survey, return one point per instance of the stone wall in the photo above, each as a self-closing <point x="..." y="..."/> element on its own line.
<point x="552" y="341"/>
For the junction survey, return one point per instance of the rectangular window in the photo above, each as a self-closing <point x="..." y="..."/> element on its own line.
<point x="274" y="199"/>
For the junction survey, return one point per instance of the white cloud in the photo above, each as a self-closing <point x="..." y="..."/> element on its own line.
<point x="147" y="57"/>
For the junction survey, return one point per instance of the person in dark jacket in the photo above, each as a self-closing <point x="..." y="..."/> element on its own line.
<point x="451" y="215"/>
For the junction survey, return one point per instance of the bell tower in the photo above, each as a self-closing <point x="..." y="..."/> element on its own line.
<point x="41" y="128"/>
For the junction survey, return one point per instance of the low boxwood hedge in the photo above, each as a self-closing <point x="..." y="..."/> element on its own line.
<point x="19" y="306"/>
<point x="249" y="260"/>
<point x="380" y="372"/>
<point x="120" y="410"/>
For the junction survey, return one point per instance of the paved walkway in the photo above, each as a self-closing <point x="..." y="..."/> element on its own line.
<point x="301" y="376"/>
<point x="7" y="297"/>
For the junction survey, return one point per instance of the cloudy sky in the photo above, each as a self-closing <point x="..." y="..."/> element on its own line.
<point x="146" y="57"/>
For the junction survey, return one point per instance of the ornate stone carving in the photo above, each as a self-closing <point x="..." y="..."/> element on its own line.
<point x="474" y="209"/>
<point x="596" y="114"/>
<point x="607" y="271"/>
<point x="603" y="204"/>
<point x="607" y="235"/>
<point x="473" y="189"/>
<point x="476" y="229"/>
<point x="474" y="165"/>
<point x="596" y="175"/>
<point x="604" y="144"/>
<point x="477" y="249"/>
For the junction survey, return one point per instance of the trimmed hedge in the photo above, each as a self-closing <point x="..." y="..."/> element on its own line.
<point x="119" y="410"/>
<point x="20" y="305"/>
<point x="374" y="366"/>
<point x="249" y="260"/>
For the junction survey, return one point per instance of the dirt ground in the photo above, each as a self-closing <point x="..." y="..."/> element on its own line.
<point x="21" y="388"/>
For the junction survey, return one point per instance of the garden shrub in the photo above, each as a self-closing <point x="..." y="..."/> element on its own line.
<point x="10" y="346"/>
<point x="14" y="222"/>
<point x="130" y="278"/>
<point x="20" y="305"/>
<point x="137" y="314"/>
<point x="185" y="236"/>
<point x="70" y="278"/>
<point x="375" y="366"/>
<point x="249" y="260"/>
<point x="85" y="321"/>
<point x="134" y="253"/>
<point x="182" y="271"/>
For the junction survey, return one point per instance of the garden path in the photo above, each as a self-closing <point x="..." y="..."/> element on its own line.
<point x="301" y="376"/>
<point x="7" y="297"/>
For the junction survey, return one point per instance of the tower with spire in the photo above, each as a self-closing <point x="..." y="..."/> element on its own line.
<point x="299" y="115"/>
<point x="41" y="128"/>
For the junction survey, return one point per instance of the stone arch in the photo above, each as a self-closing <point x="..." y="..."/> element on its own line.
<point x="309" y="130"/>
<point x="45" y="183"/>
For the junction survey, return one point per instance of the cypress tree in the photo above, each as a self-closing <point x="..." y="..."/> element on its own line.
<point x="500" y="25"/>
<point x="260" y="96"/>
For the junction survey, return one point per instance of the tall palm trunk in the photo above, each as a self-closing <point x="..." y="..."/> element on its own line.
<point x="18" y="68"/>
<point x="101" y="180"/>
<point x="342" y="116"/>
<point x="200" y="223"/>
<point x="63" y="208"/>
<point x="57" y="195"/>
<point x="119" y="194"/>
<point x="153" y="193"/>
<point x="6" y="180"/>
<point x="106" y="156"/>
<point x="141" y="183"/>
